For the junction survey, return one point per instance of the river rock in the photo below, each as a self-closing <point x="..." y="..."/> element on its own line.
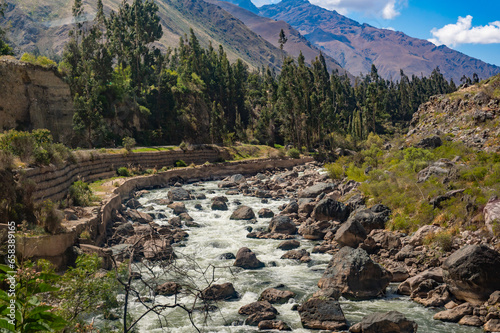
<point x="492" y="325"/>
<point x="328" y="209"/>
<point x="245" y="258"/>
<point x="218" y="292"/>
<point x="178" y="194"/>
<point x="372" y="218"/>
<point x="226" y="184"/>
<point x="260" y="306"/>
<point x="291" y="208"/>
<point x="158" y="249"/>
<point x="175" y="221"/>
<point x="351" y="233"/>
<point x="315" y="230"/>
<point x="276" y="296"/>
<point x="322" y="313"/>
<point x="315" y="190"/>
<point x="411" y="284"/>
<point x="282" y="225"/>
<point x="227" y="256"/>
<point x="419" y="236"/>
<point x="168" y="289"/>
<point x="301" y="255"/>
<point x="255" y="318"/>
<point x="355" y="275"/>
<point x="473" y="273"/>
<point x="219" y="205"/>
<point x="243" y="213"/>
<point x="178" y="207"/>
<point x="237" y="178"/>
<point x="289" y="244"/>
<point x="220" y="198"/>
<point x="389" y="322"/>
<point x="455" y="314"/>
<point x="138" y="216"/>
<point x="381" y="239"/>
<point x="133" y="203"/>
<point x="274" y="325"/>
<point x="471" y="321"/>
<point x="265" y="213"/>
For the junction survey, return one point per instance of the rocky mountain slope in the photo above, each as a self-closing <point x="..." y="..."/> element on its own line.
<point x="471" y="115"/>
<point x="43" y="26"/>
<point x="269" y="29"/>
<point x="356" y="46"/>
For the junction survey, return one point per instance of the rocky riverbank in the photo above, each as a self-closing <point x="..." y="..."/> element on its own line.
<point x="462" y="281"/>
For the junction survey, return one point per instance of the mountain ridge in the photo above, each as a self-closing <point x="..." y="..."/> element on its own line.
<point x="356" y="46"/>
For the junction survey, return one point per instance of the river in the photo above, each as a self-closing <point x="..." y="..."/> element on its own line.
<point x="218" y="234"/>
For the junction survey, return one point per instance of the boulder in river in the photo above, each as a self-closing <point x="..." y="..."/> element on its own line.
<point x="178" y="207"/>
<point x="328" y="209"/>
<point x="245" y="258"/>
<point x="350" y="233"/>
<point x="255" y="318"/>
<point x="276" y="296"/>
<point x="260" y="306"/>
<point x="274" y="325"/>
<point x="389" y="322"/>
<point x="473" y="273"/>
<point x="219" y="205"/>
<point x="219" y="292"/>
<point x="454" y="315"/>
<point x="178" y="194"/>
<point x="289" y="244"/>
<point x="265" y="213"/>
<point x="315" y="190"/>
<point x="243" y="213"/>
<point x="354" y="274"/>
<point x="322" y="313"/>
<point x="168" y="289"/>
<point x="139" y="217"/>
<point x="372" y="218"/>
<point x="282" y="225"/>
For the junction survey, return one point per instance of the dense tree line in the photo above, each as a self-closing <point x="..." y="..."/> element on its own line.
<point x="121" y="82"/>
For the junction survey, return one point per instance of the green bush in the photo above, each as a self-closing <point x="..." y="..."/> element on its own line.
<point x="123" y="172"/>
<point x="180" y="164"/>
<point x="80" y="194"/>
<point x="128" y="143"/>
<point x="293" y="153"/>
<point x="49" y="217"/>
<point x="476" y="174"/>
<point x="335" y="171"/>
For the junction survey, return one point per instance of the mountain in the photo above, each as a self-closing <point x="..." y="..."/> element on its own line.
<point x="43" y="26"/>
<point x="269" y="29"/>
<point x="245" y="4"/>
<point x="356" y="46"/>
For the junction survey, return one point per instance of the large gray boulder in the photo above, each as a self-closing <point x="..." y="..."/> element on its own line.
<point x="329" y="209"/>
<point x="245" y="258"/>
<point x="243" y="213"/>
<point x="389" y="322"/>
<point x="276" y="296"/>
<point x="322" y="313"/>
<point x="354" y="274"/>
<point x="315" y="190"/>
<point x="282" y="225"/>
<point x="372" y="218"/>
<point x="473" y="273"/>
<point x="178" y="194"/>
<point x="351" y="233"/>
<point x="219" y="292"/>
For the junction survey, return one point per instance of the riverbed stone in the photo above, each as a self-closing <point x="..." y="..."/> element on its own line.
<point x="408" y="286"/>
<point x="178" y="207"/>
<point x="296" y="255"/>
<point x="178" y="194"/>
<point x="473" y="273"/>
<point x="492" y="325"/>
<point x="219" y="205"/>
<point x="255" y="318"/>
<point x="133" y="203"/>
<point x="355" y="275"/>
<point x="138" y="216"/>
<point x="168" y="289"/>
<point x="289" y="244"/>
<point x="328" y="209"/>
<point x="291" y="208"/>
<point x="350" y="233"/>
<point x="227" y="256"/>
<point x="243" y="213"/>
<point x="265" y="213"/>
<point x="315" y="230"/>
<point x="455" y="314"/>
<point x="315" y="190"/>
<point x="259" y="306"/>
<point x="158" y="249"/>
<point x="389" y="322"/>
<point x="322" y="314"/>
<point x="471" y="321"/>
<point x="282" y="225"/>
<point x="278" y="325"/>
<point x="218" y="292"/>
<point x="276" y="296"/>
<point x="245" y="258"/>
<point x="372" y="218"/>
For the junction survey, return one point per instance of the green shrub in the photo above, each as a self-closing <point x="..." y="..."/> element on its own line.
<point x="335" y="171"/>
<point x="476" y="174"/>
<point x="49" y="217"/>
<point x="180" y="164"/>
<point x="40" y="60"/>
<point x="123" y="172"/>
<point x="443" y="239"/>
<point x="277" y="146"/>
<point x="293" y="153"/>
<point x="128" y="143"/>
<point x="80" y="194"/>
<point x="355" y="173"/>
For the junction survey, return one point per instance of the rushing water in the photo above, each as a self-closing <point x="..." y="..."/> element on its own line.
<point x="218" y="234"/>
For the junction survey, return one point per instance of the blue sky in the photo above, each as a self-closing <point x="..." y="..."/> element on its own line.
<point x="471" y="27"/>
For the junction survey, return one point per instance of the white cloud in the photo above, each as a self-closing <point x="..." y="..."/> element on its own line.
<point x="387" y="9"/>
<point x="463" y="32"/>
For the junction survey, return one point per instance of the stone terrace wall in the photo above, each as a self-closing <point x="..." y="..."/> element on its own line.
<point x="53" y="182"/>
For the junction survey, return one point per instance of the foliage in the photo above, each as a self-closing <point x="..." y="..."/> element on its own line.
<point x="123" y="172"/>
<point x="5" y="49"/>
<point x="335" y="170"/>
<point x="48" y="216"/>
<point x="80" y="194"/>
<point x="32" y="313"/>
<point x="293" y="153"/>
<point x="40" y="60"/>
<point x="180" y="164"/>
<point x="128" y="143"/>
